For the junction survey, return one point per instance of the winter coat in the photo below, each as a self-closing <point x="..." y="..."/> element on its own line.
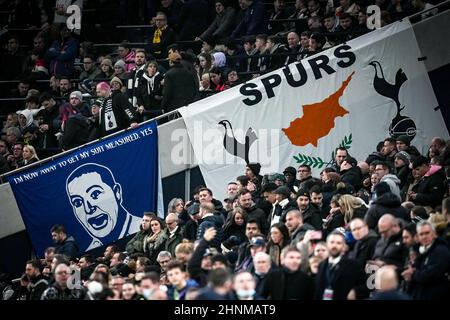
<point x="346" y="275"/>
<point x="254" y="21"/>
<point x="37" y="287"/>
<point x="313" y="216"/>
<point x="284" y="284"/>
<point x="393" y="183"/>
<point x="430" y="189"/>
<point x="363" y="249"/>
<point x="155" y="247"/>
<point x="55" y="292"/>
<point x="386" y="203"/>
<point x="68" y="247"/>
<point x="353" y="176"/>
<point x="430" y="281"/>
<point x="173" y="241"/>
<point x="402" y="174"/>
<point x="136" y="245"/>
<point x="76" y="132"/>
<point x="149" y="93"/>
<point x="222" y="25"/>
<point x="62" y="57"/>
<point x="116" y="114"/>
<point x="180" y="88"/>
<point x="215" y="222"/>
<point x="391" y="251"/>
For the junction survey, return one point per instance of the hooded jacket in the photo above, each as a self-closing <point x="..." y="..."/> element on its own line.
<point x="68" y="247"/>
<point x="394" y="184"/>
<point x="430" y="189"/>
<point x="386" y="203"/>
<point x="209" y="221"/>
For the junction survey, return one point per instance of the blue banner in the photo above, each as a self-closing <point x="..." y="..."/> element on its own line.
<point x="98" y="192"/>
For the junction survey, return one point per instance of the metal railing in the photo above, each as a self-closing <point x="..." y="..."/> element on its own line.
<point x="171" y="115"/>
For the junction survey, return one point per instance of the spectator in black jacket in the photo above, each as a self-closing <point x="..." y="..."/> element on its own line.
<point x="386" y="202"/>
<point x="210" y="220"/>
<point x="428" y="275"/>
<point x="253" y="212"/>
<point x="289" y="282"/>
<point x="366" y="240"/>
<point x="65" y="244"/>
<point x="38" y="283"/>
<point x="429" y="191"/>
<point x="180" y="86"/>
<point x="116" y="112"/>
<point x="351" y="173"/>
<point x="389" y="248"/>
<point x="339" y="275"/>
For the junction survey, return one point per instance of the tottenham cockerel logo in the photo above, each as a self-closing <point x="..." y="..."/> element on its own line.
<point x="400" y="125"/>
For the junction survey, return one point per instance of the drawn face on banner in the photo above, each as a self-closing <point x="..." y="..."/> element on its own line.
<point x="95" y="198"/>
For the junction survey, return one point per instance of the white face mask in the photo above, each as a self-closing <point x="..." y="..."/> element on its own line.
<point x="244" y="294"/>
<point x="147" y="293"/>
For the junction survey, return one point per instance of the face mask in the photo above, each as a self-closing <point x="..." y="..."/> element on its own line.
<point x="243" y="294"/>
<point x="147" y="293"/>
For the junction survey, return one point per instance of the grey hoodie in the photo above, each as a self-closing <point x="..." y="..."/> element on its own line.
<point x="393" y="183"/>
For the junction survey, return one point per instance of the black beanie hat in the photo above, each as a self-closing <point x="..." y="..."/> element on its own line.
<point x="405" y="139"/>
<point x="255" y="167"/>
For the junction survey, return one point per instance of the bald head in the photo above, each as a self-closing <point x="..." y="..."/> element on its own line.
<point x="386" y="279"/>
<point x="171" y="221"/>
<point x="262" y="262"/>
<point x="386" y="225"/>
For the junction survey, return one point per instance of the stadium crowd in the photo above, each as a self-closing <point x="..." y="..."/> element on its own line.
<point x="51" y="99"/>
<point x="373" y="229"/>
<point x="375" y="226"/>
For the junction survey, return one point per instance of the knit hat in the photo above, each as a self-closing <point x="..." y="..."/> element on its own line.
<point x="116" y="79"/>
<point x="76" y="94"/>
<point x="255" y="168"/>
<point x="283" y="190"/>
<point x="291" y="171"/>
<point x="120" y="63"/>
<point x="405" y="139"/>
<point x="303" y="193"/>
<point x="403" y="155"/>
<point x="97" y="102"/>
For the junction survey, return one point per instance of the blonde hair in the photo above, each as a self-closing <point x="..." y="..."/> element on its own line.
<point x="32" y="150"/>
<point x="185" y="247"/>
<point x="348" y="204"/>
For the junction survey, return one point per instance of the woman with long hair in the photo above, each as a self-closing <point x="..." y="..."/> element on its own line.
<point x="205" y="63"/>
<point x="29" y="155"/>
<point x="278" y="239"/>
<point x="176" y="205"/>
<point x="156" y="240"/>
<point x="235" y="225"/>
<point x="335" y="218"/>
<point x="352" y="207"/>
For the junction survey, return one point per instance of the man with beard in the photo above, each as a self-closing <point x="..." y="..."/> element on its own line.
<point x="311" y="214"/>
<point x="65" y="244"/>
<point x="38" y="283"/>
<point x="135" y="76"/>
<point x="246" y="202"/>
<point x="137" y="245"/>
<point x="338" y="275"/>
